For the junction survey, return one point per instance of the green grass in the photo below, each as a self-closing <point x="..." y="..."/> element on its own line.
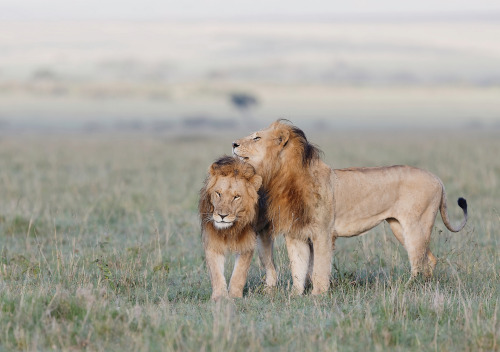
<point x="100" y="250"/>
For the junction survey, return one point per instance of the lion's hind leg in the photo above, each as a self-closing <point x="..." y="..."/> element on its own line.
<point x="426" y="224"/>
<point x="415" y="238"/>
<point x="417" y="244"/>
<point x="397" y="230"/>
<point x="431" y="264"/>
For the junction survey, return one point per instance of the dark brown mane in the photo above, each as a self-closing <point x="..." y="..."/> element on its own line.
<point x="229" y="165"/>
<point x="309" y="151"/>
<point x="289" y="197"/>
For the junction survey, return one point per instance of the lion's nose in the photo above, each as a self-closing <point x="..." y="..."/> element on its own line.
<point x="235" y="145"/>
<point x="222" y="216"/>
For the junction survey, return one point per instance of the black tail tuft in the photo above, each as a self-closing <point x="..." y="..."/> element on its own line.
<point x="462" y="203"/>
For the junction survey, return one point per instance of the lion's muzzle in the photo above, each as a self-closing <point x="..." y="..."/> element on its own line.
<point x="223" y="221"/>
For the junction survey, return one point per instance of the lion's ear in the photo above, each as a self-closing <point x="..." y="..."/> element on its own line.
<point x="213" y="169"/>
<point x="283" y="137"/>
<point x="256" y="181"/>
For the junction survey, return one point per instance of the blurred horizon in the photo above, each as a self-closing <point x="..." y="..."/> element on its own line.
<point x="227" y="9"/>
<point x="430" y="65"/>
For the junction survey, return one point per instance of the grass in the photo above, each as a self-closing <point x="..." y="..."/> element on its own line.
<point x="101" y="251"/>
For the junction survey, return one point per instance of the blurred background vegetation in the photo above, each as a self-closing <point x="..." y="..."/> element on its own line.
<point x="167" y="68"/>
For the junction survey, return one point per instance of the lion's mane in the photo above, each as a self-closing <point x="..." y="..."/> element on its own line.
<point x="289" y="182"/>
<point x="240" y="235"/>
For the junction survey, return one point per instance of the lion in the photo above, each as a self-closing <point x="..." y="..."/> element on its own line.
<point x="228" y="209"/>
<point x="313" y="204"/>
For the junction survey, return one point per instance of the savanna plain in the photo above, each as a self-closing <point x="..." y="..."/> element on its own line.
<point x="101" y="251"/>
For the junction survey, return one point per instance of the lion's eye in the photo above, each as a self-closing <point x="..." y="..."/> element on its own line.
<point x="236" y="197"/>
<point x="217" y="194"/>
<point x="256" y="138"/>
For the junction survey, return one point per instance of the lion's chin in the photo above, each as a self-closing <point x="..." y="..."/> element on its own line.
<point x="242" y="158"/>
<point x="221" y="225"/>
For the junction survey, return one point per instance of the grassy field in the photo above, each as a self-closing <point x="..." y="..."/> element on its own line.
<point x="101" y="251"/>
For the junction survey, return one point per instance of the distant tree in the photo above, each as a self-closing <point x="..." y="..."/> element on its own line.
<point x="244" y="102"/>
<point x="45" y="74"/>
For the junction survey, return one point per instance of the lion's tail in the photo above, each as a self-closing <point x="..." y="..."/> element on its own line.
<point x="462" y="203"/>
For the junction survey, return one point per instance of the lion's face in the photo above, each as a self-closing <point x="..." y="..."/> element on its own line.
<point x="261" y="147"/>
<point x="231" y="192"/>
<point x="231" y="201"/>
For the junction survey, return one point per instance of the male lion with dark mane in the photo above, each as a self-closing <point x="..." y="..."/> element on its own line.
<point x="228" y="209"/>
<point x="312" y="204"/>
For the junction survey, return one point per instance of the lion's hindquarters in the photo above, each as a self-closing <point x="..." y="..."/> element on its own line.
<point x="407" y="198"/>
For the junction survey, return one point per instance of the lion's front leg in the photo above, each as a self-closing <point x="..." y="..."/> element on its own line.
<point x="265" y="250"/>
<point x="298" y="252"/>
<point x="311" y="264"/>
<point x="322" y="268"/>
<point x="215" y="264"/>
<point x="239" y="276"/>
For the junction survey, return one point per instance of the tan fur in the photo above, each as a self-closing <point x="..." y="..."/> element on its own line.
<point x="228" y="213"/>
<point x="307" y="200"/>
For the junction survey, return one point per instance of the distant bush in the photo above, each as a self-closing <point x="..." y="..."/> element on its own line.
<point x="243" y="101"/>
<point x="45" y="74"/>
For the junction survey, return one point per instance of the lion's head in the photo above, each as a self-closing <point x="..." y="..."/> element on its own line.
<point x="282" y="155"/>
<point x="229" y="197"/>
<point x="267" y="148"/>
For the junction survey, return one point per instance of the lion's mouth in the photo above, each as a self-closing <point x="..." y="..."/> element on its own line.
<point x="220" y="225"/>
<point x="242" y="158"/>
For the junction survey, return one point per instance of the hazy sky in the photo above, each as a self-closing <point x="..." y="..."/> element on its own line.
<point x="232" y="9"/>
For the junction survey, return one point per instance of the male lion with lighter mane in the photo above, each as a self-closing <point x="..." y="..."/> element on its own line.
<point x="228" y="209"/>
<point x="312" y="204"/>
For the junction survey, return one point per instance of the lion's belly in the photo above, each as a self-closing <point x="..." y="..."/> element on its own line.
<point x="355" y="229"/>
<point x="363" y="199"/>
<point x="358" y="220"/>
